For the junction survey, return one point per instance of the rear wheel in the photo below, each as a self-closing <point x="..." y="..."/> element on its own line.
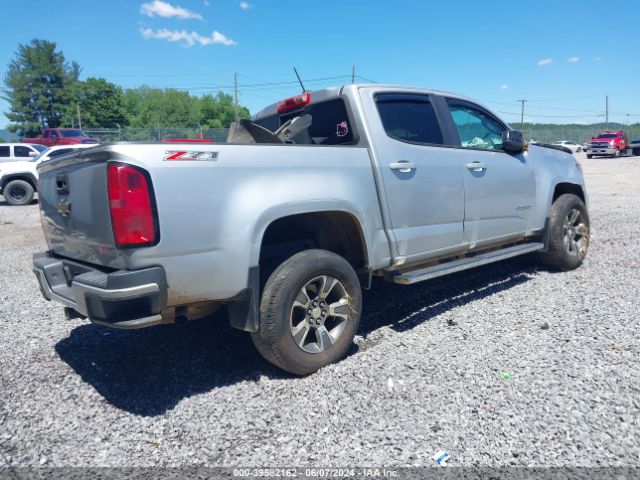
<point x="568" y="233"/>
<point x="18" y="192"/>
<point x="589" y="156"/>
<point x="309" y="312"/>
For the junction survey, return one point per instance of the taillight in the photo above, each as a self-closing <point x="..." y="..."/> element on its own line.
<point x="131" y="206"/>
<point x="294" y="103"/>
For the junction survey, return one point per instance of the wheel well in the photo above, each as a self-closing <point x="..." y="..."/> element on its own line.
<point x="571" y="188"/>
<point x="19" y="176"/>
<point x="336" y="231"/>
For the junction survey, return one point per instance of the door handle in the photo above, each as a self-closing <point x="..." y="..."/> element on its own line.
<point x="403" y="166"/>
<point x="476" y="166"/>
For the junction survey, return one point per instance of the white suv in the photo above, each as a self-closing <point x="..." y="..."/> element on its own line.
<point x="12" y="152"/>
<point x="19" y="179"/>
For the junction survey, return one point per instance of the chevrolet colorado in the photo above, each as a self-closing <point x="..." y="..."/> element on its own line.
<point x="325" y="190"/>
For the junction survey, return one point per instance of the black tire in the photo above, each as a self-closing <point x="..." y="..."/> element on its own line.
<point x="617" y="154"/>
<point x="18" y="192"/>
<point x="279" y="317"/>
<point x="567" y="245"/>
<point x="589" y="156"/>
<point x="579" y="150"/>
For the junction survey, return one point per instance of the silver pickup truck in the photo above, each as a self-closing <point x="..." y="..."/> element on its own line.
<point x="290" y="219"/>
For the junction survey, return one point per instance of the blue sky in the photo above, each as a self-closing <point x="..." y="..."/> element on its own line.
<point x="552" y="53"/>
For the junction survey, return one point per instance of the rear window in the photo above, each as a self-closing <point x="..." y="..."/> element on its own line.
<point x="330" y="123"/>
<point x="72" y="133"/>
<point x="62" y="151"/>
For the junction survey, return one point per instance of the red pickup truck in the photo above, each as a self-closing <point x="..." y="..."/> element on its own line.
<point x="51" y="137"/>
<point x="609" y="143"/>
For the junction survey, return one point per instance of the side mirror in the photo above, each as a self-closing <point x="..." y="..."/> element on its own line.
<point x="513" y="141"/>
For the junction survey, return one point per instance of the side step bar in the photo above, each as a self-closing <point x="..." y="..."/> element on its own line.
<point x="415" y="276"/>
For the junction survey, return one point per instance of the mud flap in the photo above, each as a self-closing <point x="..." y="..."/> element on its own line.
<point x="244" y="309"/>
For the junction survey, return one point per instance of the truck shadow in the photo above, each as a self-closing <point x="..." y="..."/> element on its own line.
<point x="148" y="372"/>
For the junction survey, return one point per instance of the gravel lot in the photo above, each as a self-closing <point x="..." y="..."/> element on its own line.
<point x="504" y="365"/>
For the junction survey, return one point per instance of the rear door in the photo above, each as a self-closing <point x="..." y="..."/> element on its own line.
<point x="499" y="187"/>
<point x="422" y="178"/>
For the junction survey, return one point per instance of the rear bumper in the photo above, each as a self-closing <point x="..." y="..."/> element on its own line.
<point x="120" y="299"/>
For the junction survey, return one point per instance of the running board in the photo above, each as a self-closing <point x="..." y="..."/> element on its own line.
<point x="415" y="276"/>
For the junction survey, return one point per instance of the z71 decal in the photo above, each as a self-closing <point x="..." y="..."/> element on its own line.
<point x="190" y="155"/>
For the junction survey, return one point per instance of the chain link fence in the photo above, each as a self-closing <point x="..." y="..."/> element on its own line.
<point x="575" y="133"/>
<point x="128" y="134"/>
<point x="541" y="133"/>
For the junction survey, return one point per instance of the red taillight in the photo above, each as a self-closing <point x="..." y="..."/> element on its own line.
<point x="130" y="205"/>
<point x="293" y="103"/>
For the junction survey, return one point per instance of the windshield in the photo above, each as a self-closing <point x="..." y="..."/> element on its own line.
<point x="72" y="133"/>
<point x="37" y="146"/>
<point x="43" y="153"/>
<point x="608" y="135"/>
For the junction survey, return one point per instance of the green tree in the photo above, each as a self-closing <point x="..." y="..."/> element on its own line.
<point x="40" y="85"/>
<point x="101" y="105"/>
<point x="150" y="107"/>
<point x="219" y="111"/>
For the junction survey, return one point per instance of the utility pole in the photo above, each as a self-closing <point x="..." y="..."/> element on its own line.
<point x="606" y="111"/>
<point x="79" y="119"/>
<point x="522" y="113"/>
<point x="235" y="95"/>
<point x="353" y="74"/>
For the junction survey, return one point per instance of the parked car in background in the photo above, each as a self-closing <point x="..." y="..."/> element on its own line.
<point x="54" y="152"/>
<point x="11" y="152"/>
<point x="585" y="146"/>
<point x="635" y="147"/>
<point x="573" y="146"/>
<point x="61" y="136"/>
<point x="321" y="192"/>
<point x="611" y="144"/>
<point x="19" y="179"/>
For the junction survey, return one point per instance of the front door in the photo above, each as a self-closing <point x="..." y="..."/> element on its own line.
<point x="499" y="187"/>
<point x="422" y="179"/>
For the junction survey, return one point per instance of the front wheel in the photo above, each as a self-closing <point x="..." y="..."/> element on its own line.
<point x="589" y="156"/>
<point x="18" y="192"/>
<point x="309" y="312"/>
<point x="568" y="233"/>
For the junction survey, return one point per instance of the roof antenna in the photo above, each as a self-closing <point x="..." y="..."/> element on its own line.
<point x="301" y="84"/>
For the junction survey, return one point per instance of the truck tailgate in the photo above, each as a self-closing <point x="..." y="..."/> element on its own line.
<point x="74" y="206"/>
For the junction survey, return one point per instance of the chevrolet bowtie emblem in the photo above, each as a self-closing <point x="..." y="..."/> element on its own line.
<point x="64" y="208"/>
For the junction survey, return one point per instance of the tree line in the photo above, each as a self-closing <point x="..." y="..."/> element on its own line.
<point x="44" y="90"/>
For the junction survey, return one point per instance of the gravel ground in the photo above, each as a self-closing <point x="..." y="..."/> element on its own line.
<point x="504" y="365"/>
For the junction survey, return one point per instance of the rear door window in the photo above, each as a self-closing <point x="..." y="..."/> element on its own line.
<point x="5" y="151"/>
<point x="409" y="118"/>
<point x="21" y="151"/>
<point x="46" y="134"/>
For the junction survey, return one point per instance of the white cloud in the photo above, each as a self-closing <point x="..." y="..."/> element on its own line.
<point x="189" y="38"/>
<point x="573" y="59"/>
<point x="163" y="9"/>
<point x="504" y="87"/>
<point x="244" y="5"/>
<point x="544" y="61"/>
